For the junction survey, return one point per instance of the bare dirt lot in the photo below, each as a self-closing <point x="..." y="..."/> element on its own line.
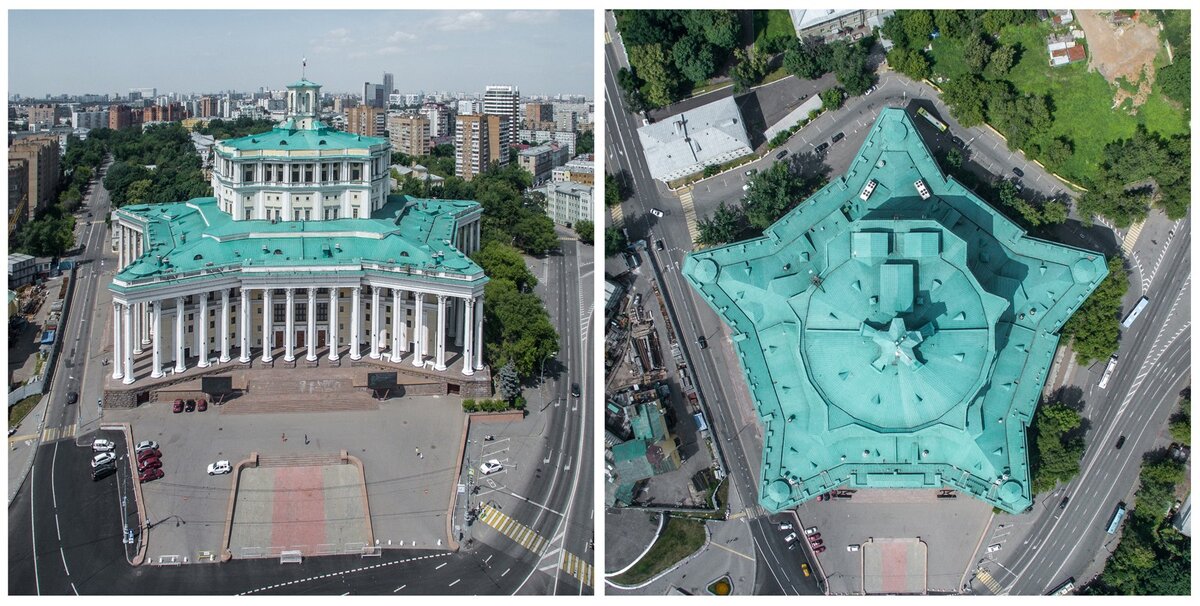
<point x="1126" y="51"/>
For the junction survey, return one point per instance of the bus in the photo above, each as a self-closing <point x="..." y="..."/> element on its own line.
<point x="938" y="124"/>
<point x="1108" y="370"/>
<point x="1118" y="515"/>
<point x="1065" y="588"/>
<point x="1137" y="311"/>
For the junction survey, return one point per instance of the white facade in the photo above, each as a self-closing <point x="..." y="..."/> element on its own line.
<point x="89" y="120"/>
<point x="568" y="202"/>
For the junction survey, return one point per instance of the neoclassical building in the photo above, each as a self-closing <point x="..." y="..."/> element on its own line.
<point x="300" y="258"/>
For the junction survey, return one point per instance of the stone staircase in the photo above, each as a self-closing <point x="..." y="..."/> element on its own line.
<point x="311" y="460"/>
<point x="256" y="403"/>
<point x="269" y="387"/>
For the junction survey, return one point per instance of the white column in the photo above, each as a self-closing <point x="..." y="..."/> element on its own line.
<point x="355" y="321"/>
<point x="419" y="329"/>
<point x="120" y="231"/>
<point x="202" y="331"/>
<point x="469" y="339"/>
<point x="332" y="330"/>
<point x="244" y="313"/>
<point x="116" y="353"/>
<point x="180" y="366"/>
<point x="268" y="316"/>
<point x="311" y="339"/>
<point x="440" y="359"/>
<point x="289" y="323"/>
<point x="374" y="322"/>
<point x="145" y="307"/>
<point x="478" y="333"/>
<point x="224" y="326"/>
<point x="397" y="322"/>
<point x="457" y="306"/>
<point x="155" y="337"/>
<point x="127" y="326"/>
<point x="137" y="328"/>
<point x="403" y="333"/>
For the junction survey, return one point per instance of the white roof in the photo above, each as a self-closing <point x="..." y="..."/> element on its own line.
<point x="803" y="19"/>
<point x="685" y="143"/>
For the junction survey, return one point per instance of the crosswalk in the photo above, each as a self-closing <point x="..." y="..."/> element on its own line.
<point x="617" y="212"/>
<point x="1131" y="237"/>
<point x="51" y="434"/>
<point x="750" y="512"/>
<point x="519" y="533"/>
<point x="987" y="580"/>
<point x="689" y="213"/>
<point x="577" y="567"/>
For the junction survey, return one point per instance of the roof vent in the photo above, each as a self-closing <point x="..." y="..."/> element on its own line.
<point x="321" y="142"/>
<point x="278" y="252"/>
<point x="197" y="257"/>
<point x="338" y="245"/>
<point x="283" y="141"/>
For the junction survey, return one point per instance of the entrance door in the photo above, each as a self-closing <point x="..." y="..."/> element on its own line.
<point x="320" y="339"/>
<point x="279" y="338"/>
<point x="299" y="339"/>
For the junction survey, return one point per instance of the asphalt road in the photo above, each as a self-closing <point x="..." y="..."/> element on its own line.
<point x="777" y="571"/>
<point x="65" y="531"/>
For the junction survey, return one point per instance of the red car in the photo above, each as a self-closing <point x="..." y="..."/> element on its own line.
<point x="150" y="463"/>
<point x="814" y="536"/>
<point x="148" y="454"/>
<point x="178" y="406"/>
<point x="150" y="475"/>
<point x="817" y="543"/>
<point x="817" y="549"/>
<point x="201" y="405"/>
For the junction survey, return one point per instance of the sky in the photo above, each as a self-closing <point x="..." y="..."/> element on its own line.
<point x="541" y="52"/>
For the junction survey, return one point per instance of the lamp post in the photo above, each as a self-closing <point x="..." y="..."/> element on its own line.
<point x="542" y="376"/>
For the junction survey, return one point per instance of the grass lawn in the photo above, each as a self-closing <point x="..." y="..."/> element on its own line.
<point x="680" y="538"/>
<point x="22" y="408"/>
<point x="1081" y="100"/>
<point x="770" y="24"/>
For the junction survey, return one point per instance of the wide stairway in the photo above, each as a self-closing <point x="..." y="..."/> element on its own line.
<point x="265" y="396"/>
<point x="314" y="460"/>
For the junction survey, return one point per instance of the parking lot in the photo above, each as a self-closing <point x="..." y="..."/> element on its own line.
<point x="408" y="448"/>
<point x="949" y="528"/>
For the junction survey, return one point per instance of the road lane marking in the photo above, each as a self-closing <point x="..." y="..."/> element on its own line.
<point x="576" y="567"/>
<point x="733" y="551"/>
<point x="515" y="531"/>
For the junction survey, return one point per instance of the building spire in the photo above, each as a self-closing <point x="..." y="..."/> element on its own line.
<point x="303" y="67"/>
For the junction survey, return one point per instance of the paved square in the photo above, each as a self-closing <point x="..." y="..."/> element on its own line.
<point x="894" y="566"/>
<point x="314" y="509"/>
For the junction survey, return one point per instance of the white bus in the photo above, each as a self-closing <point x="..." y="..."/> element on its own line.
<point x="1065" y="588"/>
<point x="1112" y="365"/>
<point x="1137" y="311"/>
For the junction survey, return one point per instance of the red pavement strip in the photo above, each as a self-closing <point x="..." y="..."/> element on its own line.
<point x="298" y="517"/>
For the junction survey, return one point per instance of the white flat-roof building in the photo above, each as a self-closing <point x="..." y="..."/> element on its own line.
<point x="685" y="143"/>
<point x="568" y="202"/>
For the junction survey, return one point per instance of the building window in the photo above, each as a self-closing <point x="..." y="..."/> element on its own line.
<point x="356" y="171"/>
<point x="322" y="312"/>
<point x="302" y="313"/>
<point x="295" y="173"/>
<point x="337" y="172"/>
<point x="279" y="311"/>
<point x="355" y="212"/>
<point x="248" y="173"/>
<point x="308" y="173"/>
<point x="324" y="171"/>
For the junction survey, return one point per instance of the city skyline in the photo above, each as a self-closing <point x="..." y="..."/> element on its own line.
<point x="416" y="46"/>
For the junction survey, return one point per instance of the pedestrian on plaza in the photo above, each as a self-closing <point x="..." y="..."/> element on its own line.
<point x="306" y="439"/>
<point x="283" y="437"/>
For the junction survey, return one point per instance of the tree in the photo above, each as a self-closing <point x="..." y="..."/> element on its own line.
<point x="719" y="27"/>
<point x="1054" y="212"/>
<point x="693" y="57"/>
<point x="711" y="169"/>
<point x="772" y="193"/>
<point x="749" y="69"/>
<point x="660" y="81"/>
<point x="631" y="89"/>
<point x="950" y="23"/>
<point x="614" y="191"/>
<point x="995" y="20"/>
<point x="1181" y="423"/>
<point x="517" y="328"/>
<point x="534" y="234"/>
<point x="1176" y="79"/>
<point x="1056" y="451"/>
<point x="724" y="225"/>
<point x="918" y="26"/>
<point x="1095" y="326"/>
<point x="508" y="384"/>
<point x="1058" y="151"/>
<point x="584" y="142"/>
<point x="503" y="262"/>
<point x="614" y="241"/>
<point x="977" y="51"/>
<point x="139" y="192"/>
<point x="832" y="98"/>
<point x="954" y="158"/>
<point x="849" y="62"/>
<point x="966" y="98"/>
<point x="894" y="29"/>
<point x="808" y="61"/>
<point x="1000" y="62"/>
<point x="586" y="230"/>
<point x="911" y="63"/>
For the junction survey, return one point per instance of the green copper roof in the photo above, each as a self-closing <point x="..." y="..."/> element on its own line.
<point x="303" y="82"/>
<point x="292" y="139"/>
<point x="188" y="237"/>
<point x="897" y="341"/>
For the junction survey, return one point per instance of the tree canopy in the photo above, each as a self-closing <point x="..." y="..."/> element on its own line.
<point x="1056" y="448"/>
<point x="1095" y="326"/>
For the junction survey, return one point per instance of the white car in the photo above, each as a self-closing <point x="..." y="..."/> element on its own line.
<point x="789" y="538"/>
<point x="103" y="446"/>
<point x="785" y="526"/>
<point x="852" y="548"/>
<point x="145" y="445"/>
<point x="993" y="548"/>
<point x="491" y="466"/>
<point x="103" y="458"/>
<point x="810" y="531"/>
<point x="656" y="212"/>
<point x="219" y="468"/>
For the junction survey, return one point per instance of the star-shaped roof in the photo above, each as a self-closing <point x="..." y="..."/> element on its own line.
<point x="895" y="330"/>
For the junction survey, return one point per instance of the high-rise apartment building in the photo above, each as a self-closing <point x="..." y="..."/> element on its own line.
<point x="18" y="194"/>
<point x="374" y="95"/>
<point x="172" y="112"/>
<point x="504" y="101"/>
<point x="540" y="161"/>
<point x="539" y="112"/>
<point x="409" y="134"/>
<point x="89" y="119"/>
<point x="440" y="118"/>
<point x="40" y="154"/>
<point x="123" y="116"/>
<point x="366" y="120"/>
<point x="389" y="85"/>
<point x="43" y="116"/>
<point x="476" y="144"/>
<point x="208" y="107"/>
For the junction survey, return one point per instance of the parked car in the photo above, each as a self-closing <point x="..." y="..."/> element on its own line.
<point x="150" y="475"/>
<point x="637" y="299"/>
<point x="201" y="405"/>
<point x="814" y="536"/>
<point x="145" y="445"/>
<point x="959" y="142"/>
<point x="810" y="531"/>
<point x="869" y="91"/>
<point x="804" y="568"/>
<point x="819" y="549"/>
<point x="658" y="244"/>
<point x="1018" y="172"/>
<point x="789" y="538"/>
<point x="821" y="148"/>
<point x="150" y="463"/>
<point x="993" y="548"/>
<point x="656" y="212"/>
<point x="839" y="137"/>
<point x="746" y="187"/>
<point x="1120" y="442"/>
<point x="102" y="458"/>
<point x="146" y="454"/>
<point x="103" y="445"/>
<point x="780" y="155"/>
<point x="191" y="406"/>
<point x="752" y="172"/>
<point x="72" y="398"/>
<point x="852" y="548"/>
<point x="219" y="468"/>
<point x="489" y="467"/>
<point x="703" y="343"/>
<point x="785" y="526"/>
<point x="1063" y="503"/>
<point x="178" y="406"/>
<point x="103" y="471"/>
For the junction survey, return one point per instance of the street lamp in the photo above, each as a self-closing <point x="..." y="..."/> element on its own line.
<point x="542" y="375"/>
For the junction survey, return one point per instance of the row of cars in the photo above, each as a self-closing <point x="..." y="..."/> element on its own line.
<point x="814" y="537"/>
<point x="149" y="460"/>
<point x="200" y="405"/>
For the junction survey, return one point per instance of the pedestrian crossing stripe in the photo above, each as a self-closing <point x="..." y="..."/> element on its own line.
<point x="987" y="580"/>
<point x="577" y="567"/>
<point x="52" y="434"/>
<point x="514" y="530"/>
<point x="618" y="215"/>
<point x="1131" y="237"/>
<point x="689" y="214"/>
